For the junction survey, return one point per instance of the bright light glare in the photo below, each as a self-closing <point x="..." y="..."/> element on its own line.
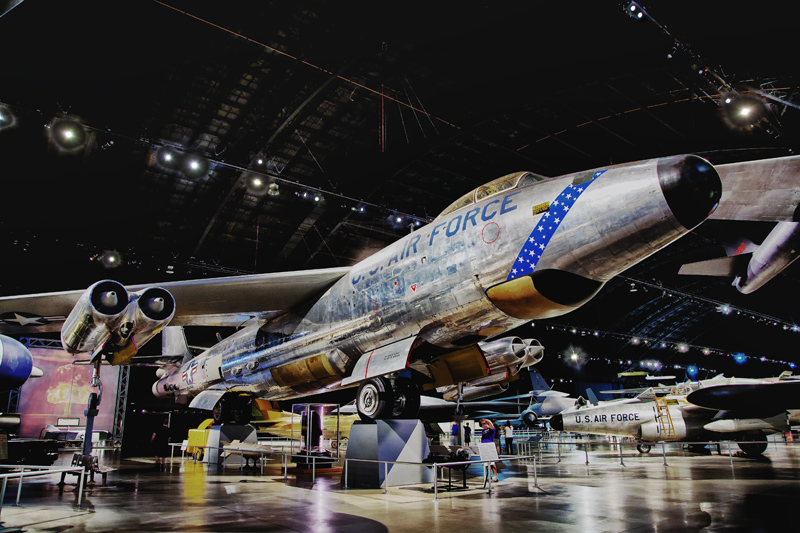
<point x="745" y="111"/>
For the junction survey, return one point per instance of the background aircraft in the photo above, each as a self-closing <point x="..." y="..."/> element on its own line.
<point x="543" y="402"/>
<point x="427" y="312"/>
<point x="16" y="364"/>
<point x="712" y="410"/>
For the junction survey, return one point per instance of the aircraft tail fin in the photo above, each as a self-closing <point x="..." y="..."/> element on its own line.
<point x="538" y="382"/>
<point x="592" y="397"/>
<point x="173" y="343"/>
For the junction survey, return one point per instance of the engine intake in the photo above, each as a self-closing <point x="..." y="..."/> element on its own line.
<point x="98" y="312"/>
<point x="107" y="318"/>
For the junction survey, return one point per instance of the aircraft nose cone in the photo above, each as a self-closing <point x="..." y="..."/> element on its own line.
<point x="691" y="187"/>
<point x="557" y="422"/>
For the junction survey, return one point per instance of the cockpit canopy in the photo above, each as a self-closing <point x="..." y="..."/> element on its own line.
<point x="509" y="181"/>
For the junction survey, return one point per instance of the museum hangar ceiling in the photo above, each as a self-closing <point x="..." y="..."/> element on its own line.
<point x="256" y="136"/>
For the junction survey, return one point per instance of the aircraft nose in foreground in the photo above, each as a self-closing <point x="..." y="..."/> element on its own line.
<point x="691" y="187"/>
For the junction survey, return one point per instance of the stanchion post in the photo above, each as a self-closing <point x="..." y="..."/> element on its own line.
<point x="621" y="461"/>
<point x="19" y="488"/>
<point x="730" y="453"/>
<point x="664" y="452"/>
<point x="345" y="472"/>
<point x="80" y="490"/>
<point x="3" y="493"/>
<point x="386" y="477"/>
<point x="435" y="481"/>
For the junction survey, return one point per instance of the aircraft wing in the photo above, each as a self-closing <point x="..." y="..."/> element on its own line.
<point x="226" y="301"/>
<point x="766" y="397"/>
<point x="759" y="190"/>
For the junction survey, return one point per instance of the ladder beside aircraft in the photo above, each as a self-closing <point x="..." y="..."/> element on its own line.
<point x="665" y="418"/>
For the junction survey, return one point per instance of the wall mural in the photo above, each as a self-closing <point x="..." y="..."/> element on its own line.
<point x="63" y="392"/>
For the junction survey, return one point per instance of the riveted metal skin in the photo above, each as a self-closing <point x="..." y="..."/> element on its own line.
<point x="467" y="276"/>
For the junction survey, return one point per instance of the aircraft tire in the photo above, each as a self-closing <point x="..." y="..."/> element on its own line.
<point x="220" y="411"/>
<point x="406" y="399"/>
<point x="374" y="399"/>
<point x="233" y="409"/>
<point x="756" y="444"/>
<point x="644" y="448"/>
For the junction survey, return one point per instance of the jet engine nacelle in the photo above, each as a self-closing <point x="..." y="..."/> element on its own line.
<point x="150" y="310"/>
<point x="530" y="419"/>
<point x="778" y="251"/>
<point x="98" y="312"/>
<point x="512" y="352"/>
<point x="108" y="318"/>
<point x="505" y="357"/>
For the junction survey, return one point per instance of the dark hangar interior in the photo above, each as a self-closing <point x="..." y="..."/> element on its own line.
<point x="244" y="137"/>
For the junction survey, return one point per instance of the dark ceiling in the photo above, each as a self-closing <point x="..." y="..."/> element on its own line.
<point x="397" y="109"/>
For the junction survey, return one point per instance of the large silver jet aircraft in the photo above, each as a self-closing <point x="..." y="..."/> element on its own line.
<point x="428" y="311"/>
<point x="737" y="409"/>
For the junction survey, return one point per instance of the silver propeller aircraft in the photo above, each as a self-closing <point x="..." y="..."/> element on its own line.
<point x="738" y="409"/>
<point x="428" y="311"/>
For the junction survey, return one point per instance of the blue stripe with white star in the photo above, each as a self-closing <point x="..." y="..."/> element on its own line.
<point x="534" y="247"/>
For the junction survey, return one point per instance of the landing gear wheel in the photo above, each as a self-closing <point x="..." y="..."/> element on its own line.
<point x="220" y="412"/>
<point x="406" y="399"/>
<point x="756" y="444"/>
<point x="644" y="448"/>
<point x="374" y="399"/>
<point x="233" y="409"/>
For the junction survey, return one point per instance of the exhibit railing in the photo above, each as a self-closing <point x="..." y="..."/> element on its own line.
<point x="487" y="478"/>
<point x="571" y="441"/>
<point x="21" y="472"/>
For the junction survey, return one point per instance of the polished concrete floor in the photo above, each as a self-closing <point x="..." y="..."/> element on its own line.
<point x="692" y="492"/>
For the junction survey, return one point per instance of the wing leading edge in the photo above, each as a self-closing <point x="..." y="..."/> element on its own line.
<point x="219" y="301"/>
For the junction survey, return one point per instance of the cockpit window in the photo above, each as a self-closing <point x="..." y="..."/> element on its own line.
<point x="518" y="179"/>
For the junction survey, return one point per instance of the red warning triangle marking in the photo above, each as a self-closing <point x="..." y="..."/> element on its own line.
<point x="414" y="287"/>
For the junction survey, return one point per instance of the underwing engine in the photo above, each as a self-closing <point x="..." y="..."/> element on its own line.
<point x="505" y="358"/>
<point x="110" y="321"/>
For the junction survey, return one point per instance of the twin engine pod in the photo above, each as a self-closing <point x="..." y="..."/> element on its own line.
<point x="505" y="358"/>
<point x="108" y="318"/>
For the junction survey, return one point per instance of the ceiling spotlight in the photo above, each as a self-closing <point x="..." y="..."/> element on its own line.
<point x="256" y="184"/>
<point x="742" y="111"/>
<point x="67" y="134"/>
<point x="273" y="189"/>
<point x="195" y="166"/>
<point x="635" y="10"/>
<point x="110" y="259"/>
<point x="169" y="158"/>
<point x="7" y="118"/>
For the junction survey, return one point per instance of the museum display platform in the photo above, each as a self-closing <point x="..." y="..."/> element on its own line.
<point x="693" y="492"/>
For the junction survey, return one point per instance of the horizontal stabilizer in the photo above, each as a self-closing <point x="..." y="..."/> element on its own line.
<point x="723" y="266"/>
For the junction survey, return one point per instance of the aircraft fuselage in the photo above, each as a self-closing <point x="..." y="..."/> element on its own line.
<point x="538" y="249"/>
